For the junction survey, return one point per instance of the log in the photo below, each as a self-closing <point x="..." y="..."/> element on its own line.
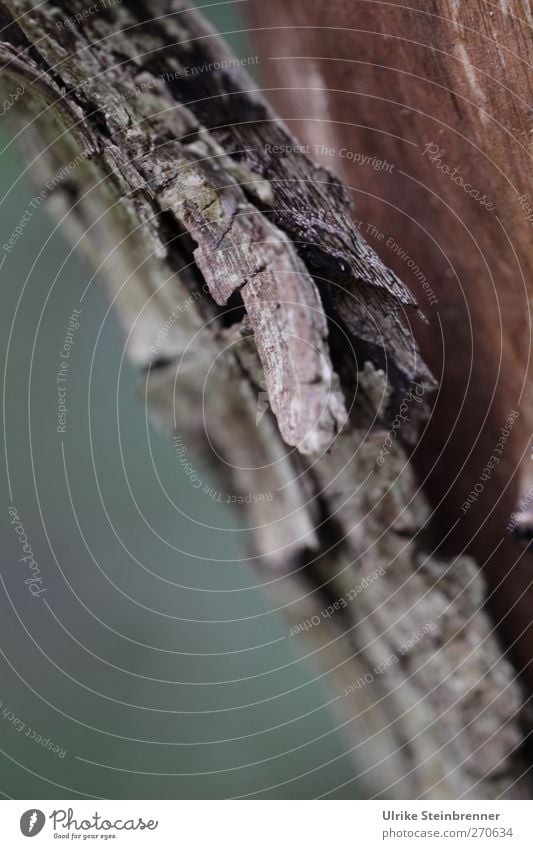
<point x="180" y="196"/>
<point x="423" y="109"/>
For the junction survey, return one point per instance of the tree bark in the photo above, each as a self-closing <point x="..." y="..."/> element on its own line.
<point x="423" y="108"/>
<point x="235" y="268"/>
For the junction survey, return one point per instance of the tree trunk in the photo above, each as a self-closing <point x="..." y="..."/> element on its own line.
<point x="251" y="303"/>
<point x="424" y="110"/>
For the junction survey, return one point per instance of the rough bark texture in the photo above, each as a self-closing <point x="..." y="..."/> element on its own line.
<point x="179" y="198"/>
<point x="439" y="93"/>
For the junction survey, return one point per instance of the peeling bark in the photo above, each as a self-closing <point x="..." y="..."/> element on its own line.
<point x="179" y="197"/>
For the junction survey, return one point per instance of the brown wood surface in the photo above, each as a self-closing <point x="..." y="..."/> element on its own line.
<point x="178" y="196"/>
<point x="440" y="91"/>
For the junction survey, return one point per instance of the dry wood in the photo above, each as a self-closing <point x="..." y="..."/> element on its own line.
<point x="180" y="197"/>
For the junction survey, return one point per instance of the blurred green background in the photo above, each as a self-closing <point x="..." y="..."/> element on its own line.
<point x="154" y="665"/>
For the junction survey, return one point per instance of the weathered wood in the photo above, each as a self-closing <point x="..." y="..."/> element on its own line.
<point x="424" y="108"/>
<point x="180" y="197"/>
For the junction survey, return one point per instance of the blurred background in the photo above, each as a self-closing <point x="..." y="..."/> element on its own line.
<point x="150" y="665"/>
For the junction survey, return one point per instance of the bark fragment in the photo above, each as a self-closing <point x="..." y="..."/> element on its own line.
<point x="180" y="198"/>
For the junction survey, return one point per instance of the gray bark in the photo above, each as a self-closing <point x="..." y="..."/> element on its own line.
<point x="178" y="197"/>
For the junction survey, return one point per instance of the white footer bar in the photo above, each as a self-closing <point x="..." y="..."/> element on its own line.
<point x="269" y="824"/>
